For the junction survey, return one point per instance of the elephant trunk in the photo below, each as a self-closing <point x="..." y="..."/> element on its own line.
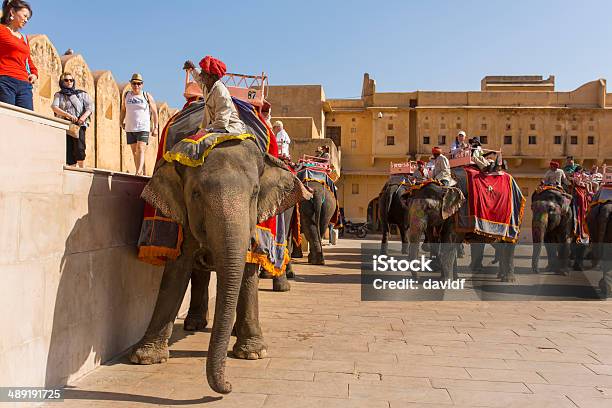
<point x="231" y="245"/>
<point x="538" y="231"/>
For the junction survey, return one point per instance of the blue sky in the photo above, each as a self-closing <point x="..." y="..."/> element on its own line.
<point x="404" y="45"/>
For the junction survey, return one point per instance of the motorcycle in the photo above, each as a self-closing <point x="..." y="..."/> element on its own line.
<point x="360" y="229"/>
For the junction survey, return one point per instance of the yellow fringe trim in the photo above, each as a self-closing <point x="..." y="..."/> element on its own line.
<point x="184" y="159"/>
<point x="264" y="262"/>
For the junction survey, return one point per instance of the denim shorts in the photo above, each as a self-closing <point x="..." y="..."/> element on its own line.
<point x="133" y="137"/>
<point x="16" y="92"/>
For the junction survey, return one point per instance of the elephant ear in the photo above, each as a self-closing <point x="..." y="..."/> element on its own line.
<point x="279" y="189"/>
<point x="451" y="201"/>
<point x="165" y="192"/>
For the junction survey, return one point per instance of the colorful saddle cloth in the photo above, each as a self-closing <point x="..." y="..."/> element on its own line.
<point x="305" y="175"/>
<point x="495" y="204"/>
<point x="182" y="141"/>
<point x="580" y="205"/>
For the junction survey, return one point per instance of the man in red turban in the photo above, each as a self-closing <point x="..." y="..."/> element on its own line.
<point x="220" y="114"/>
<point x="441" y="169"/>
<point x="554" y="176"/>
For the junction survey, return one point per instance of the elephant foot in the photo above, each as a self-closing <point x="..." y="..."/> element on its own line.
<point x="509" y="278"/>
<point x="150" y="352"/>
<point x="290" y="274"/>
<point x="563" y="272"/>
<point x="265" y="274"/>
<point x="606" y="290"/>
<point x="250" y="349"/>
<point x="535" y="271"/>
<point x="280" y="284"/>
<point x="193" y="323"/>
<point x="316" y="260"/>
<point x="578" y="267"/>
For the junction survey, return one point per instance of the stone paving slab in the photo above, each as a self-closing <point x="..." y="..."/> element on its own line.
<point x="327" y="348"/>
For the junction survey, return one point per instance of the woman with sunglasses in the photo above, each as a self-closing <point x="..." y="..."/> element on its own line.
<point x="17" y="71"/>
<point x="75" y="106"/>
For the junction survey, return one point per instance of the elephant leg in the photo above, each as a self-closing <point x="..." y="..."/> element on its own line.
<point x="250" y="343"/>
<point x="535" y="257"/>
<point x="579" y="250"/>
<point x="153" y="347"/>
<point x="315" y="255"/>
<point x="384" y="245"/>
<point x="404" y="237"/>
<point x="506" y="263"/>
<point x="476" y="255"/>
<point x="197" y="317"/>
<point x="289" y="269"/>
<point x="448" y="252"/>
<point x="280" y="283"/>
<point x="552" y="250"/>
<point x="564" y="250"/>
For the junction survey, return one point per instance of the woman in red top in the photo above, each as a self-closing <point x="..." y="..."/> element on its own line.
<point x="17" y="71"/>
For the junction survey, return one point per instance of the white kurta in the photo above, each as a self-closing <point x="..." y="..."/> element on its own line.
<point x="283" y="140"/>
<point x="220" y="113"/>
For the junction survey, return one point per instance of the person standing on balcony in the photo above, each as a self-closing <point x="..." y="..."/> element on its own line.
<point x="138" y="113"/>
<point x="282" y="138"/>
<point x="75" y="106"/>
<point x="17" y="70"/>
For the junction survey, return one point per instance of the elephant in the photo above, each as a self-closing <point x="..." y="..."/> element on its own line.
<point x="553" y="225"/>
<point x="599" y="221"/>
<point x="218" y="204"/>
<point x="393" y="210"/>
<point x="434" y="206"/>
<point x="315" y="215"/>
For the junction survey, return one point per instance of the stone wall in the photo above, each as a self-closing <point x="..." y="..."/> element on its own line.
<point x="108" y="135"/>
<point x="73" y="293"/>
<point x="106" y="142"/>
<point x="49" y="66"/>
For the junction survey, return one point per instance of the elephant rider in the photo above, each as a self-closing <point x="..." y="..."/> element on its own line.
<point x="421" y="172"/>
<point x="441" y="170"/>
<point x="459" y="144"/>
<point x="478" y="157"/>
<point x="220" y="114"/>
<point x="554" y="176"/>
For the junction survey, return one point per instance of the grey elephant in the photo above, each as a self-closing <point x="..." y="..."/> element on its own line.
<point x="435" y="206"/>
<point x="218" y="204"/>
<point x="315" y="216"/>
<point x="553" y="225"/>
<point x="599" y="221"/>
<point x="393" y="210"/>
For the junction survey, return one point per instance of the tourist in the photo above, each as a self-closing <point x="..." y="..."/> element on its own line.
<point x="17" y="71"/>
<point x="138" y="118"/>
<point x="459" y="144"/>
<point x="441" y="170"/>
<point x="478" y="156"/>
<point x="74" y="105"/>
<point x="220" y="114"/>
<point x="554" y="176"/>
<point x="323" y="152"/>
<point x="570" y="165"/>
<point x="282" y="138"/>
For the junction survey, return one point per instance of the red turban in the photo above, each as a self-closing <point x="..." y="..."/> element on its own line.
<point x="554" y="163"/>
<point x="213" y="66"/>
<point x="436" y="150"/>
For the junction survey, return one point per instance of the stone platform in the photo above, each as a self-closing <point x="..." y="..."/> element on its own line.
<point x="327" y="348"/>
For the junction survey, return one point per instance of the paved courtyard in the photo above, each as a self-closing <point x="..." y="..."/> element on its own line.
<point x="327" y="348"/>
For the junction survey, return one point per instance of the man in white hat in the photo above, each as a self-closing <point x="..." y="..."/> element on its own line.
<point x="282" y="138"/>
<point x="459" y="144"/>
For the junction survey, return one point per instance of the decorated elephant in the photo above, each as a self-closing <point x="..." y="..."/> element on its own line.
<point x="488" y="215"/>
<point x="553" y="225"/>
<point x="318" y="212"/>
<point x="599" y="221"/>
<point x="393" y="210"/>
